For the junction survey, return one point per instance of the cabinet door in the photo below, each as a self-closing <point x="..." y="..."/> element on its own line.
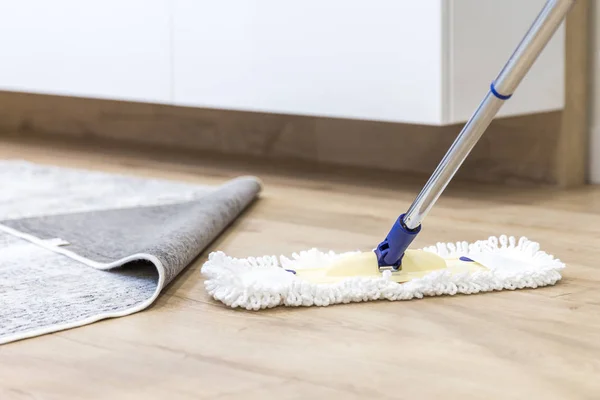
<point x="377" y="59"/>
<point x="482" y="36"/>
<point x="116" y="49"/>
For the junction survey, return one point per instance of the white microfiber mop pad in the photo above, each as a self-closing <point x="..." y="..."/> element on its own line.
<point x="265" y="282"/>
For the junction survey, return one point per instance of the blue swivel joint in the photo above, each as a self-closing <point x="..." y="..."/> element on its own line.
<point x="391" y="251"/>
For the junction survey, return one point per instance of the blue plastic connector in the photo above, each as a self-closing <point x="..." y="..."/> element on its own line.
<point x="391" y="250"/>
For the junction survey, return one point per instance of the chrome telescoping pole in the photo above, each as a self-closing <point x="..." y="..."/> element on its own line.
<point x="539" y="34"/>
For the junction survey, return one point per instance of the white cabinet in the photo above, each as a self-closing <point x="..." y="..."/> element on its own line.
<point x="116" y="49"/>
<point x="350" y="58"/>
<point x="481" y="36"/>
<point x="423" y="62"/>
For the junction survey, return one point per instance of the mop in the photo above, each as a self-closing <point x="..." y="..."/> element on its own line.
<point x="392" y="271"/>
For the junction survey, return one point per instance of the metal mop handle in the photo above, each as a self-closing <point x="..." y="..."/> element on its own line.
<point x="390" y="251"/>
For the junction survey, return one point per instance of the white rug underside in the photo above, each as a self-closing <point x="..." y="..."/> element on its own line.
<point x="258" y="283"/>
<point x="47" y="257"/>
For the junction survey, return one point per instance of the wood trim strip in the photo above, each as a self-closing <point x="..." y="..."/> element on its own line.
<point x="571" y="152"/>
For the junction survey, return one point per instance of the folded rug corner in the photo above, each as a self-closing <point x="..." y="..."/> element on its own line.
<point x="78" y="246"/>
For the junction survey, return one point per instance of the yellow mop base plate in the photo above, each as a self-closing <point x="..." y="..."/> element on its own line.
<point x="415" y="264"/>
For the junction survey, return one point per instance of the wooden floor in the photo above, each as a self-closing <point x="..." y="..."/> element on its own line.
<point x="529" y="344"/>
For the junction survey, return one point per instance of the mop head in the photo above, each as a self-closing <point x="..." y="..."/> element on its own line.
<point x="315" y="278"/>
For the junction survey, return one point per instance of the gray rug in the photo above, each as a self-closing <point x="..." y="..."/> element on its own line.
<point x="80" y="246"/>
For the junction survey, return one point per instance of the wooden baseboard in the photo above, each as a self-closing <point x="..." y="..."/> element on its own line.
<point x="513" y="150"/>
